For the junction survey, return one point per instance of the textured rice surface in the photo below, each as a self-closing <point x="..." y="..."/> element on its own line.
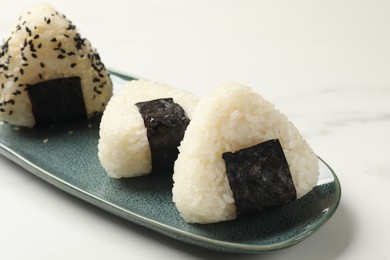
<point x="123" y="145"/>
<point x="44" y="45"/>
<point x="230" y="118"/>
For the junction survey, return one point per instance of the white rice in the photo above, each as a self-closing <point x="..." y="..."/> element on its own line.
<point x="230" y="118"/>
<point x="60" y="52"/>
<point x="123" y="145"/>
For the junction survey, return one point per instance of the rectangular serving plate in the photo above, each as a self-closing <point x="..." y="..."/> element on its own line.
<point x="66" y="157"/>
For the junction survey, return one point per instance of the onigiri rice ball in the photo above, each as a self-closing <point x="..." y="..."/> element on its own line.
<point x="49" y="73"/>
<point x="234" y="122"/>
<point x="141" y="128"/>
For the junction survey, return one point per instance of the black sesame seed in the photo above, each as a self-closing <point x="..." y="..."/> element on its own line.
<point x="79" y="41"/>
<point x="25" y="64"/>
<point x="60" y="57"/>
<point x="21" y="71"/>
<point x="10" y="112"/>
<point x="2" y="110"/>
<point x="34" y="55"/>
<point x="53" y="40"/>
<point x="39" y="45"/>
<point x="42" y="65"/>
<point x="97" y="70"/>
<point x="95" y="89"/>
<point x="73" y="65"/>
<point x="48" y="21"/>
<point x="32" y="49"/>
<point x="71" y="53"/>
<point x="28" y="31"/>
<point x="40" y="76"/>
<point x="71" y="27"/>
<point x="36" y="36"/>
<point x="96" y="79"/>
<point x="67" y="36"/>
<point x="24" y="57"/>
<point x="16" y="79"/>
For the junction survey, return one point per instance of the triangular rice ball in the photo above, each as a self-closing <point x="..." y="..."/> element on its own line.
<point x="229" y="119"/>
<point x="49" y="73"/>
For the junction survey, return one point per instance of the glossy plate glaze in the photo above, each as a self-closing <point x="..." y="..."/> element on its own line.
<point x="66" y="156"/>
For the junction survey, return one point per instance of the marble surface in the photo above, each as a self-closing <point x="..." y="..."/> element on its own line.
<point x="323" y="63"/>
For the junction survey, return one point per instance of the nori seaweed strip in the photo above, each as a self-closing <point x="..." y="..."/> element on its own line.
<point x="259" y="177"/>
<point x="57" y="100"/>
<point x="166" y="122"/>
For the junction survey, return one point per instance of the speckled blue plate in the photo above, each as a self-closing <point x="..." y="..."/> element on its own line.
<point x="66" y="156"/>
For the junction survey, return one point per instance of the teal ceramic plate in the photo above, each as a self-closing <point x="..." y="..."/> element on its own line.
<point x="66" y="156"/>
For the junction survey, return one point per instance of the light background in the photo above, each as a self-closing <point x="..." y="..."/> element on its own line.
<point x="325" y="64"/>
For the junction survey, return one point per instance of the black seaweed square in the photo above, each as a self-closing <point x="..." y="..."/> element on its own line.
<point x="259" y="177"/>
<point x="57" y="100"/>
<point x="166" y="122"/>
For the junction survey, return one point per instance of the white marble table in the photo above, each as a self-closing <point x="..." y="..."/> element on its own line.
<point x="325" y="64"/>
